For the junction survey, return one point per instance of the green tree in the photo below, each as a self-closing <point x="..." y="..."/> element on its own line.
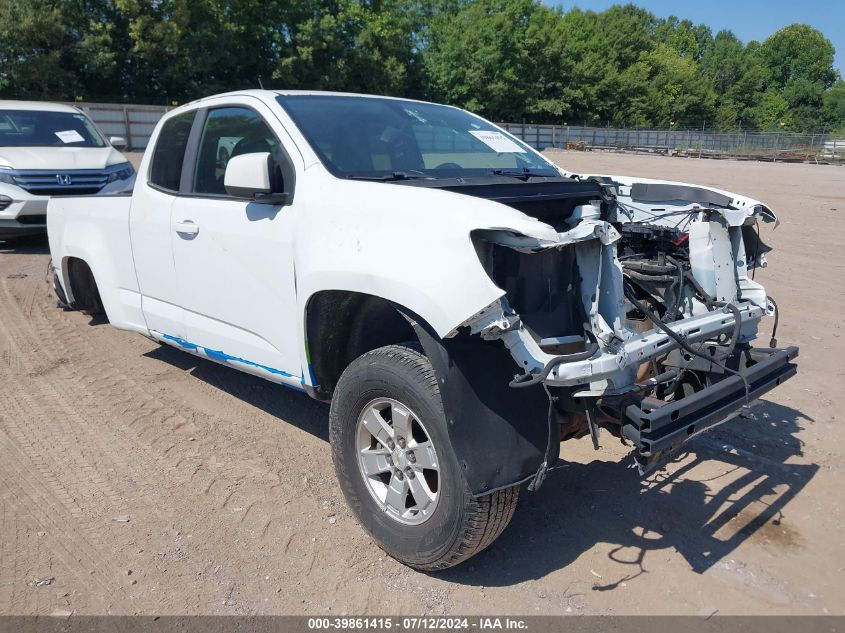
<point x="834" y="107"/>
<point x="350" y="45"/>
<point x="498" y="58"/>
<point x="738" y="77"/>
<point x="506" y="59"/>
<point x="51" y="49"/>
<point x="772" y="112"/>
<point x="604" y="65"/>
<point x="677" y="92"/>
<point x="689" y="40"/>
<point x="592" y="82"/>
<point x="799" y="51"/>
<point x="800" y="63"/>
<point x="183" y="49"/>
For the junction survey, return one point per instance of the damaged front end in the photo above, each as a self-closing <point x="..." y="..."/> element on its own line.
<point x="635" y="315"/>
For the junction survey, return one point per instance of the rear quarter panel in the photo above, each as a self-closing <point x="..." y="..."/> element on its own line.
<point x="96" y="230"/>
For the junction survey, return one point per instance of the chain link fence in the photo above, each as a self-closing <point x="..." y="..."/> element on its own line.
<point x="775" y="146"/>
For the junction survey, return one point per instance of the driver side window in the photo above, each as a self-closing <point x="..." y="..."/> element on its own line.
<point x="230" y="132"/>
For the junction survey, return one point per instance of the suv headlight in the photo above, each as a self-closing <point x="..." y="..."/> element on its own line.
<point x="123" y="171"/>
<point x="7" y="177"/>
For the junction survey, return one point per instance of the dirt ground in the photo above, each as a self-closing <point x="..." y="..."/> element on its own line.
<point x="143" y="480"/>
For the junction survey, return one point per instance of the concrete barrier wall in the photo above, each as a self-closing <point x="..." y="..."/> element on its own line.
<point x="133" y="122"/>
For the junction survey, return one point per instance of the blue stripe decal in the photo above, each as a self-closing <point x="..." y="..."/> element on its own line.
<point x="181" y="342"/>
<point x="223" y="357"/>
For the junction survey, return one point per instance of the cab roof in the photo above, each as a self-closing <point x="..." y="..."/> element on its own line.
<point x="272" y="94"/>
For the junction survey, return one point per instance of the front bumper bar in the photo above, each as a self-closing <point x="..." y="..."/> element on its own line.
<point x="658" y="432"/>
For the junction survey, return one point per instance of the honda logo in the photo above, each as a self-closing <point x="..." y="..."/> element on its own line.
<point x="64" y="179"/>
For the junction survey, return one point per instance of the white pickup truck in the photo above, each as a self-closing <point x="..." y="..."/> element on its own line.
<point x="463" y="303"/>
<point x="50" y="149"/>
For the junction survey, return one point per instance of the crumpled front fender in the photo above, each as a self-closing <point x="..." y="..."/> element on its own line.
<point x="412" y="247"/>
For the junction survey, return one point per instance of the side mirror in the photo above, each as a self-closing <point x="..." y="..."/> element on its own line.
<point x="118" y="142"/>
<point x="250" y="177"/>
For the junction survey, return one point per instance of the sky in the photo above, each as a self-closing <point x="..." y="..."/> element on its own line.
<point x="748" y="19"/>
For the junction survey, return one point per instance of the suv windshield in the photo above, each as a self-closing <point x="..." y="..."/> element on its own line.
<point x="34" y="128"/>
<point x="386" y="139"/>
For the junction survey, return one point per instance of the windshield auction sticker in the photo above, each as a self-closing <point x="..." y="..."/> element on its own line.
<point x="497" y="141"/>
<point x="69" y="136"/>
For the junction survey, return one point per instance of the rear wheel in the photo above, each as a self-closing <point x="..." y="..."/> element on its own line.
<point x="396" y="466"/>
<point x="83" y="287"/>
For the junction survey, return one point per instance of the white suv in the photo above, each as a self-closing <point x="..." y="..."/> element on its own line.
<point x="48" y="149"/>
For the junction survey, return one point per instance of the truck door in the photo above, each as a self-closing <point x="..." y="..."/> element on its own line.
<point x="150" y="227"/>
<point x="234" y="258"/>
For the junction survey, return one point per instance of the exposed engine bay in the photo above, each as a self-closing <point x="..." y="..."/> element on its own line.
<point x="638" y="319"/>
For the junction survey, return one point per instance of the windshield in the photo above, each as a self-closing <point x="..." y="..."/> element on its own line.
<point x="33" y="128"/>
<point x="373" y="137"/>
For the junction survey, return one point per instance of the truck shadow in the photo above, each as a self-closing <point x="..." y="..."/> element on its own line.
<point x="31" y="245"/>
<point x="729" y="486"/>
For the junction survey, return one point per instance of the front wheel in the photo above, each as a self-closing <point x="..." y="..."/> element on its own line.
<point x="396" y="466"/>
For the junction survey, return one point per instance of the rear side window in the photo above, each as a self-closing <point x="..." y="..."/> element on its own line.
<point x="169" y="152"/>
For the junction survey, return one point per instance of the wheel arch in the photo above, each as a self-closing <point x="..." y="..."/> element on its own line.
<point x="341" y="325"/>
<point x="81" y="289"/>
<point x="499" y="434"/>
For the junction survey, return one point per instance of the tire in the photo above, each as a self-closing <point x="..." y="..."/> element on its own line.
<point x="86" y="295"/>
<point x="456" y="526"/>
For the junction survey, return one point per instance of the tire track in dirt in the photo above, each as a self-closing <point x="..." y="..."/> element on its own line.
<point x="68" y="393"/>
<point x="59" y="420"/>
<point x="267" y="487"/>
<point x="46" y="468"/>
<point x="47" y="513"/>
<point x="161" y="428"/>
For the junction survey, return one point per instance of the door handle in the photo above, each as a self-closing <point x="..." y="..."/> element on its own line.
<point x="186" y="227"/>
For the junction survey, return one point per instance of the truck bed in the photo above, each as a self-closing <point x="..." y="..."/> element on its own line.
<point x="95" y="229"/>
